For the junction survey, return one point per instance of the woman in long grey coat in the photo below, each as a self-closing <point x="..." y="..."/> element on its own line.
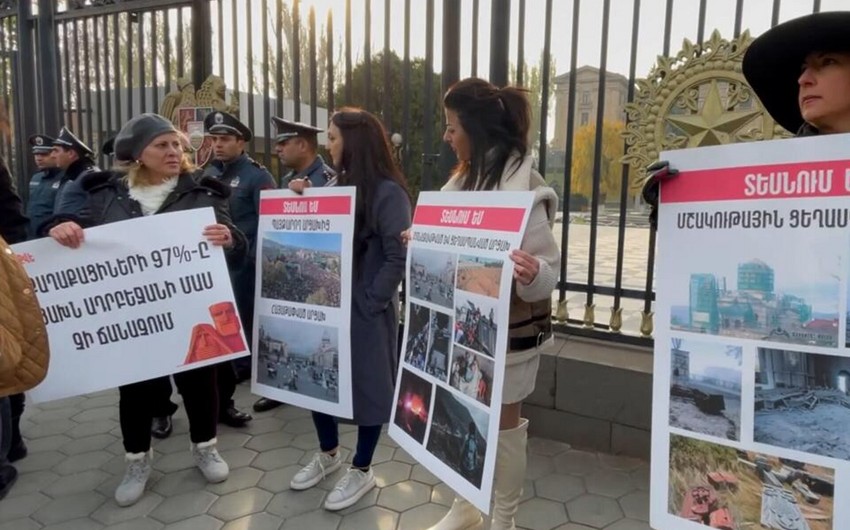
<point x="361" y="154"/>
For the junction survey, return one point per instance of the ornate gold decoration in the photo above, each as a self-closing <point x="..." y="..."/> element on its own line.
<point x="562" y="315"/>
<point x="697" y="98"/>
<point x="589" y="318"/>
<point x="616" y="322"/>
<point x="646" y="325"/>
<point x="211" y="94"/>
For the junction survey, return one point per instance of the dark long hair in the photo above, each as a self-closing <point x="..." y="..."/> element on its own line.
<point x="366" y="158"/>
<point x="496" y="120"/>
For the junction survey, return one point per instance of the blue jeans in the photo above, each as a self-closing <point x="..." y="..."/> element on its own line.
<point x="367" y="438"/>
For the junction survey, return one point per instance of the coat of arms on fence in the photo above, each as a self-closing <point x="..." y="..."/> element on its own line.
<point x="187" y="108"/>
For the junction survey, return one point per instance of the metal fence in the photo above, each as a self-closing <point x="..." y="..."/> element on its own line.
<point x="92" y="64"/>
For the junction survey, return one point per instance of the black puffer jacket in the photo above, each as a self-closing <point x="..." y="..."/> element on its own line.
<point x="13" y="223"/>
<point x="109" y="202"/>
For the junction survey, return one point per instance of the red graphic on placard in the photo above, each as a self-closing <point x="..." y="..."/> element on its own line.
<point x="490" y="218"/>
<point x="306" y="206"/>
<point x="775" y="181"/>
<point x="224" y="338"/>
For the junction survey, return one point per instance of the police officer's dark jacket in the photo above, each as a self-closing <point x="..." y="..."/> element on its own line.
<point x="109" y="201"/>
<point x="44" y="186"/>
<point x="245" y="178"/>
<point x="71" y="197"/>
<point x="319" y="173"/>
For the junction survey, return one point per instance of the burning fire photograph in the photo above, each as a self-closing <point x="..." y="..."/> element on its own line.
<point x="414" y="402"/>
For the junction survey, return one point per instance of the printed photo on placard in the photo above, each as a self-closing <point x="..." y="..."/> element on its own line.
<point x="458" y="435"/>
<point x="722" y="487"/>
<point x="439" y="345"/>
<point x="479" y="275"/>
<point x="760" y="296"/>
<point x="705" y="388"/>
<point x="299" y="357"/>
<point x="801" y="402"/>
<point x="302" y="267"/>
<point x="472" y="374"/>
<point x="414" y="404"/>
<point x="419" y="336"/>
<point x="432" y="274"/>
<point x="475" y="323"/>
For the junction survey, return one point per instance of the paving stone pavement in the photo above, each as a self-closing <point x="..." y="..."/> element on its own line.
<point x="76" y="461"/>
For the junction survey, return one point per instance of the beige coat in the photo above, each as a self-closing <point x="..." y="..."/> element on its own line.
<point x="24" y="350"/>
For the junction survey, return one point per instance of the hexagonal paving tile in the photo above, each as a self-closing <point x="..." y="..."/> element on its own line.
<point x="442" y="495"/>
<point x="609" y="483"/>
<point x="279" y="479"/>
<point x="231" y="440"/>
<point x="91" y="428"/>
<point x="137" y="524"/>
<point x="541" y="514"/>
<point x="639" y="478"/>
<point x="47" y="443"/>
<point x="404" y="496"/>
<point x="539" y="466"/>
<point x="545" y="447"/>
<point x="573" y="526"/>
<point x="299" y="426"/>
<point x="41" y="462"/>
<point x="290" y="503"/>
<point x="49" y="416"/>
<point x="628" y="524"/>
<point x="239" y="457"/>
<point x="420" y="474"/>
<point x="423" y="516"/>
<point x="98" y="442"/>
<point x="196" y="523"/>
<point x="83" y="523"/>
<point x="403" y="456"/>
<point x="376" y="518"/>
<point x="174" y="462"/>
<point x="257" y="521"/>
<point x="620" y="462"/>
<point x="594" y="510"/>
<point x="559" y="487"/>
<point x="110" y="513"/>
<point x="239" y="479"/>
<point x="263" y="426"/>
<point x="306" y="442"/>
<point x="70" y="507"/>
<point x="48" y="429"/>
<point x="313" y="520"/>
<point x="20" y="524"/>
<point x="83" y="462"/>
<point x="103" y="413"/>
<point x="178" y="507"/>
<point x="576" y="462"/>
<point x="270" y="440"/>
<point x="370" y="499"/>
<point x="32" y="482"/>
<point x="389" y="473"/>
<point x="76" y="483"/>
<point x="636" y="505"/>
<point x="22" y="507"/>
<point x="277" y="458"/>
<point x="179" y="482"/>
<point x="235" y="505"/>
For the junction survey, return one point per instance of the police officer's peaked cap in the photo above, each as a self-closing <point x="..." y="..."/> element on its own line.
<point x="67" y="140"/>
<point x="41" y="143"/>
<point x="217" y="123"/>
<point x="773" y="61"/>
<point x="290" y="129"/>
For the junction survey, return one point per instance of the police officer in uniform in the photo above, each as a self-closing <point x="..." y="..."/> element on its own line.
<point x="44" y="184"/>
<point x="75" y="159"/>
<point x="298" y="149"/>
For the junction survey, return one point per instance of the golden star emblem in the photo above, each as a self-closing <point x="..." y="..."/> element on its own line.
<point x="714" y="124"/>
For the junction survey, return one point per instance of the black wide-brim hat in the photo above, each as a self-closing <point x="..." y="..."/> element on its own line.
<point x="773" y="62"/>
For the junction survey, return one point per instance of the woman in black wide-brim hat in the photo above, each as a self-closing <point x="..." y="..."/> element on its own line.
<point x="800" y="70"/>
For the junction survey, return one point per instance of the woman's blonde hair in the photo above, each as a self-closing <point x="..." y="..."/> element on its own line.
<point x="138" y="175"/>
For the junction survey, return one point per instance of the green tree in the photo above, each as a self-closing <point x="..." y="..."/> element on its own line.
<point x="414" y="144"/>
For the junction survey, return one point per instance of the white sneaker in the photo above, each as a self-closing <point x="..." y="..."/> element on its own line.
<point x="135" y="477"/>
<point x="206" y="457"/>
<point x="319" y="467"/>
<point x="462" y="516"/>
<point x="351" y="488"/>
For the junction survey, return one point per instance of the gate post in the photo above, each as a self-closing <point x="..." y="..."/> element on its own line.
<point x="451" y="73"/>
<point x="500" y="27"/>
<point x="201" y="42"/>
<point x="48" y="67"/>
<point x="25" y="84"/>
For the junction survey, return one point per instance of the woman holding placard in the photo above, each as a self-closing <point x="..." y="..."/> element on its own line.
<point x="487" y="128"/>
<point x="158" y="179"/>
<point x="362" y="157"/>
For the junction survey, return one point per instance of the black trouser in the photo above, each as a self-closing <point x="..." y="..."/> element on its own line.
<point x="16" y="405"/>
<point x="200" y="397"/>
<point x="160" y="392"/>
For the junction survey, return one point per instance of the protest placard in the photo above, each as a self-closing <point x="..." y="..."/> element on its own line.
<point x="302" y="324"/>
<point x="752" y="365"/>
<point x="137" y="300"/>
<point x="449" y="389"/>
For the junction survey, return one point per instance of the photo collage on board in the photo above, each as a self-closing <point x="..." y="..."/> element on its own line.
<point x="445" y="392"/>
<point x="759" y="388"/>
<point x="294" y="355"/>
